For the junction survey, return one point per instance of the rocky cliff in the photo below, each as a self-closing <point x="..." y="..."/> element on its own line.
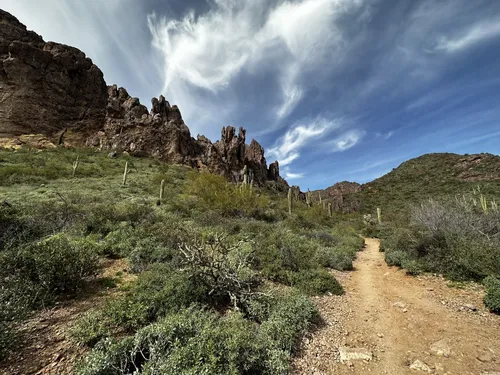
<point x="54" y="94"/>
<point x="340" y="196"/>
<point x="46" y="87"/>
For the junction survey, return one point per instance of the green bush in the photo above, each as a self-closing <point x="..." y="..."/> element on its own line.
<point x="492" y="297"/>
<point x="281" y="250"/>
<point x="336" y="258"/>
<point x="194" y="341"/>
<point x="156" y="292"/>
<point x="315" y="282"/>
<point x="90" y="328"/>
<point x="55" y="266"/>
<point x="412" y="267"/>
<point x="395" y="258"/>
<point x="213" y="192"/>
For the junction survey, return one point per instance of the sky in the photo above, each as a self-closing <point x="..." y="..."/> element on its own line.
<point x="333" y="89"/>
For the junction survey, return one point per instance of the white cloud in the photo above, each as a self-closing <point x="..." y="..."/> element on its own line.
<point x="298" y="137"/>
<point x="209" y="51"/>
<point x="473" y="35"/>
<point x="292" y="176"/>
<point x="346" y="141"/>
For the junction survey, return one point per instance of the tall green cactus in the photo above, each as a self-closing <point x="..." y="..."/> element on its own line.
<point x="494" y="206"/>
<point x="319" y="195"/>
<point x="330" y="213"/>
<point x="484" y="203"/>
<point x="379" y="215"/>
<point x="245" y="175"/>
<point x="308" y="198"/>
<point x="162" y="190"/>
<point x="76" y="163"/>
<point x="289" y="201"/>
<point x="125" y="173"/>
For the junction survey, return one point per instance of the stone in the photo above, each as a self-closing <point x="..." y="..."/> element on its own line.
<point x="470" y="307"/>
<point x="420" y="366"/>
<point x="485" y="357"/>
<point x="354" y="354"/>
<point x="441" y="348"/>
<point x="399" y="304"/>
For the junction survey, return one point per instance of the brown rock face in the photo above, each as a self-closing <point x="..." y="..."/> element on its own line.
<point x="56" y="95"/>
<point x="162" y="133"/>
<point x="338" y="195"/>
<point x="46" y="87"/>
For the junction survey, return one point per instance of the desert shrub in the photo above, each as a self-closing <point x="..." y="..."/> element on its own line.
<point x="395" y="258"/>
<point x="288" y="319"/>
<point x="412" y="267"/>
<point x="54" y="266"/>
<point x="213" y="192"/>
<point x="281" y="250"/>
<point x="336" y="258"/>
<point x="90" y="328"/>
<point x="222" y="267"/>
<point x="16" y="304"/>
<point x="195" y="341"/>
<point x="315" y="282"/>
<point x="492" y="297"/>
<point x="148" y="252"/>
<point x="156" y="292"/>
<point x="458" y="240"/>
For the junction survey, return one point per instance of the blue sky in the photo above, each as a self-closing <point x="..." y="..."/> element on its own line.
<point x="334" y="89"/>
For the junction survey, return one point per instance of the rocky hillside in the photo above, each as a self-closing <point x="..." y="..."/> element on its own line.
<point x="52" y="94"/>
<point x="428" y="176"/>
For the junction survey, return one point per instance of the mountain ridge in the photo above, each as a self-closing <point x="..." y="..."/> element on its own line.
<point x="426" y="176"/>
<point x="55" y="95"/>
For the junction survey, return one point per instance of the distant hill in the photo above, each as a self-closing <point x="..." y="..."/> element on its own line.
<point x="437" y="176"/>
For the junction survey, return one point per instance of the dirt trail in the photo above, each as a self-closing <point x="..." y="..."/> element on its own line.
<point x="402" y="319"/>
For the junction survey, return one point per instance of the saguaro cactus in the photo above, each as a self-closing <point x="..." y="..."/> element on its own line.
<point x="330" y="213"/>
<point x="484" y="203"/>
<point x="319" y="195"/>
<point x="125" y="173"/>
<point x="494" y="206"/>
<point x="290" y="201"/>
<point x="245" y="175"/>
<point x="308" y="198"/>
<point x="162" y="189"/>
<point x="76" y="163"/>
<point x="379" y="215"/>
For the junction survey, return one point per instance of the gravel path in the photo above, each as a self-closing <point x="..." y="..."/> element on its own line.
<point x="407" y="325"/>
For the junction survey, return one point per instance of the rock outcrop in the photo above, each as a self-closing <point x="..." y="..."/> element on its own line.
<point x="46" y="87"/>
<point x="339" y="196"/>
<point x="53" y="92"/>
<point x="162" y="133"/>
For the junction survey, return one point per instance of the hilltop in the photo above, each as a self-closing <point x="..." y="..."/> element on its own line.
<point x="436" y="175"/>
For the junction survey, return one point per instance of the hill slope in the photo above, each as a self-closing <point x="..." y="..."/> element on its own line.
<point x="436" y="176"/>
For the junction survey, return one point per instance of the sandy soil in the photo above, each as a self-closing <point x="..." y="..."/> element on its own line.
<point x="400" y="320"/>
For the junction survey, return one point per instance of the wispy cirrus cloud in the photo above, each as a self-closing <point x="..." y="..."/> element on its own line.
<point x="210" y="51"/>
<point x="289" y="147"/>
<point x="472" y="35"/>
<point x="346" y="141"/>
